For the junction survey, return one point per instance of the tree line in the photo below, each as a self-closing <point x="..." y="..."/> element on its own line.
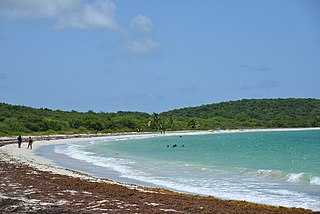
<point x="247" y="113"/>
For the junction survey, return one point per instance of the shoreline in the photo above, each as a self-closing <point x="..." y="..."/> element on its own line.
<point x="30" y="157"/>
<point x="10" y="139"/>
<point x="10" y="154"/>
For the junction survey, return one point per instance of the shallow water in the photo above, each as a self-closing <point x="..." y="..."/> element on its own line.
<point x="276" y="168"/>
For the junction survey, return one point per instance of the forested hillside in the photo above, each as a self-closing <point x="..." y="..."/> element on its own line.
<point x="21" y="119"/>
<point x="254" y="113"/>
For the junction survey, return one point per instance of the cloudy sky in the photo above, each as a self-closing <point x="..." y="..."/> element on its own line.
<point x="154" y="56"/>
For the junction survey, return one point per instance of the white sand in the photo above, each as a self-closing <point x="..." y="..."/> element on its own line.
<point x="11" y="153"/>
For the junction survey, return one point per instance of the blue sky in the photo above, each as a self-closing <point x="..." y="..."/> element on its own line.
<point x="154" y="56"/>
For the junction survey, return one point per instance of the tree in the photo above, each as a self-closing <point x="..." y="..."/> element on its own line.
<point x="155" y="122"/>
<point x="193" y="123"/>
<point x="171" y="120"/>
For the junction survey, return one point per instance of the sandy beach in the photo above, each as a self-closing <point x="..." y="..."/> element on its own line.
<point x="34" y="184"/>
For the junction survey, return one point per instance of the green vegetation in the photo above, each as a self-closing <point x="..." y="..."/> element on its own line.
<point x="254" y="113"/>
<point x="26" y="120"/>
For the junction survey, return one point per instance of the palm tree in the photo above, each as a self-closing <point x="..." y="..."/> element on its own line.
<point x="155" y="121"/>
<point x="171" y="120"/>
<point x="193" y="123"/>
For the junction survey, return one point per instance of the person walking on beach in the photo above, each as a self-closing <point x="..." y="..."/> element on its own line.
<point x="30" y="143"/>
<point x="19" y="141"/>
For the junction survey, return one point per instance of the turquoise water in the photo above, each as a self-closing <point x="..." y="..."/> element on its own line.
<point x="277" y="168"/>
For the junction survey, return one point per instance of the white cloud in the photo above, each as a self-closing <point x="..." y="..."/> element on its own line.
<point x="67" y="13"/>
<point x="142" y="24"/>
<point x="138" y="42"/>
<point x="100" y="14"/>
<point x="36" y="8"/>
<point x="82" y="14"/>
<point x="143" y="46"/>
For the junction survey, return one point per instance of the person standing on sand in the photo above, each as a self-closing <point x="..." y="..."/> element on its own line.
<point x="19" y="141"/>
<point x="30" y="143"/>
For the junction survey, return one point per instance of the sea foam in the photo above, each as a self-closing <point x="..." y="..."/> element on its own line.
<point x="304" y="178"/>
<point x="74" y="151"/>
<point x="269" y="173"/>
<point x="315" y="180"/>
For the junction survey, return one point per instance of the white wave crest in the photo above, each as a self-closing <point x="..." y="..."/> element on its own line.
<point x="302" y="178"/>
<point x="268" y="173"/>
<point x="315" y="180"/>
<point x="298" y="178"/>
<point x="74" y="151"/>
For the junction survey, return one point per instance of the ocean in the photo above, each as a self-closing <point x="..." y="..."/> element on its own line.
<point x="280" y="168"/>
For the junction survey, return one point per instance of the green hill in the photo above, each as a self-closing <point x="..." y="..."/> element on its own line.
<point x="254" y="113"/>
<point x="20" y="119"/>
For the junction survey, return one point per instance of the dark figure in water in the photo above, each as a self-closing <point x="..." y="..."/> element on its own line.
<point x="30" y="143"/>
<point x="175" y="145"/>
<point x="19" y="141"/>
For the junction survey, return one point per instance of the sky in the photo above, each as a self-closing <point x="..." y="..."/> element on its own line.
<point x="154" y="56"/>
